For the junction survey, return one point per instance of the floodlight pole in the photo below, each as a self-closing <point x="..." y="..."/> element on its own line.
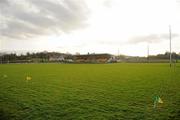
<point x="148" y="52"/>
<point x="118" y="52"/>
<point x="170" y="55"/>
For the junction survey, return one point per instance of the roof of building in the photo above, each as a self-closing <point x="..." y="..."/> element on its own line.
<point x="88" y="55"/>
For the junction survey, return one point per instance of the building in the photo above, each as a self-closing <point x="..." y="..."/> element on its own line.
<point x="56" y="58"/>
<point x="94" y="58"/>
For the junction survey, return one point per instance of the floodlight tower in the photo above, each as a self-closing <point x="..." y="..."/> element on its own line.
<point x="170" y="54"/>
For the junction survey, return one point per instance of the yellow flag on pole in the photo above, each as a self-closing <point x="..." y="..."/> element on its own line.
<point x="28" y="78"/>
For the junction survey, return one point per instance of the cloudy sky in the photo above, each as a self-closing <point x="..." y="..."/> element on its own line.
<point x="100" y="26"/>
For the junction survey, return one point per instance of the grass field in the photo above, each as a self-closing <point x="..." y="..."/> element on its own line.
<point x="89" y="91"/>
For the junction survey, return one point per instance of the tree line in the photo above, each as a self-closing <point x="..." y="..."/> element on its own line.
<point x="46" y="57"/>
<point x="31" y="57"/>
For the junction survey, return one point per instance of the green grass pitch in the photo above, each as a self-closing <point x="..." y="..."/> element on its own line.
<point x="89" y="91"/>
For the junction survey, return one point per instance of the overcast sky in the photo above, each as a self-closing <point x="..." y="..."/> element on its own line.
<point x="100" y="26"/>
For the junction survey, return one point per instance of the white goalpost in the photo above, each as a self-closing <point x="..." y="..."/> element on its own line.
<point x="170" y="55"/>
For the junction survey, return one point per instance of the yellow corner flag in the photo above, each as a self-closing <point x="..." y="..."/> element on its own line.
<point x="28" y="78"/>
<point x="157" y="100"/>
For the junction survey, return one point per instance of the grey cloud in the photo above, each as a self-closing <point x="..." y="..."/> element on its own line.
<point x="152" y="38"/>
<point x="3" y="5"/>
<point x="29" y="18"/>
<point x="20" y="30"/>
<point x="3" y="2"/>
